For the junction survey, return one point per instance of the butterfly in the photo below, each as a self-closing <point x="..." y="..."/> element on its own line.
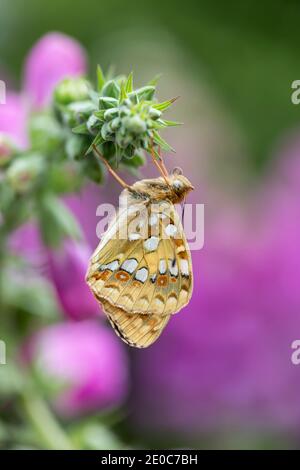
<point x="141" y="271"/>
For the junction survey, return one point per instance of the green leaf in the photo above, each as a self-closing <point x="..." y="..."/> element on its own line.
<point x="98" y="140"/>
<point x="56" y="221"/>
<point x="129" y="83"/>
<point x="165" y="104"/>
<point x="94" y="96"/>
<point x="137" y="160"/>
<point x="106" y="102"/>
<point x="81" y="129"/>
<point x="155" y="153"/>
<point x="123" y="92"/>
<point x="167" y="123"/>
<point x="100" y="114"/>
<point x="92" y="168"/>
<point x="161" y="142"/>
<point x="145" y="93"/>
<point x="111" y="89"/>
<point x="75" y="146"/>
<point x="100" y="78"/>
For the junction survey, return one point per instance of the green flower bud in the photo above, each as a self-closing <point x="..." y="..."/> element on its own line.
<point x="106" y="102"/>
<point x="123" y="140"/>
<point x="127" y="103"/>
<point x="115" y="123"/>
<point x="81" y="107"/>
<point x="135" y="124"/>
<point x="45" y="133"/>
<point x="106" y="131"/>
<point x="111" y="113"/>
<point x="24" y="172"/>
<point x="124" y="111"/>
<point x="129" y="151"/>
<point x="71" y="89"/>
<point x="154" y="113"/>
<point x="93" y="124"/>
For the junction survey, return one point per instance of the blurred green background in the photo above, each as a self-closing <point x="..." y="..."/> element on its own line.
<point x="246" y="51"/>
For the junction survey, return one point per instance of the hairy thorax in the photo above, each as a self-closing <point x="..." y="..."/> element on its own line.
<point x="174" y="188"/>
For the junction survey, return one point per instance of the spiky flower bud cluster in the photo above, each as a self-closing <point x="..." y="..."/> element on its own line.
<point x="119" y="120"/>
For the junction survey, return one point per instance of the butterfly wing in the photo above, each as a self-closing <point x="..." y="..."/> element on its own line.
<point x="143" y="278"/>
<point x="118" y="256"/>
<point x="138" y="330"/>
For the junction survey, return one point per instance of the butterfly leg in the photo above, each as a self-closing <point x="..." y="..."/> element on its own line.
<point x="112" y="172"/>
<point x="161" y="169"/>
<point x="162" y="163"/>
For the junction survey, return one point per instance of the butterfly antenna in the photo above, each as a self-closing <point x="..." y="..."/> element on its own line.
<point x="112" y="172"/>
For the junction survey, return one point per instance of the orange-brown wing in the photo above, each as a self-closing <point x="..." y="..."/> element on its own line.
<point x="150" y="273"/>
<point x="138" y="330"/>
<point x="143" y="278"/>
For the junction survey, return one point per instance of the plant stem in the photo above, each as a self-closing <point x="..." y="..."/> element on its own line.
<point x="44" y="423"/>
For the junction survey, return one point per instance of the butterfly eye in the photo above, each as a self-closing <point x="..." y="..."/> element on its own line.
<point x="177" y="171"/>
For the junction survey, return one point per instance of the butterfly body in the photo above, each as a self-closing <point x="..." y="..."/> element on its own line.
<point x="141" y="271"/>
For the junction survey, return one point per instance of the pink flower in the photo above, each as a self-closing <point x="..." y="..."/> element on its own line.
<point x="26" y="242"/>
<point x="67" y="269"/>
<point x="224" y="362"/>
<point x="54" y="57"/>
<point x="13" y="119"/>
<point x="83" y="366"/>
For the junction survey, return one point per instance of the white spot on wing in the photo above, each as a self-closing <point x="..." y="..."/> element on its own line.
<point x="170" y="230"/>
<point x="151" y="244"/>
<point x="141" y="274"/>
<point x="134" y="236"/>
<point x="129" y="265"/>
<point x="184" y="267"/>
<point x="153" y="219"/>
<point x="162" y="266"/>
<point x="173" y="268"/>
<point x="113" y="266"/>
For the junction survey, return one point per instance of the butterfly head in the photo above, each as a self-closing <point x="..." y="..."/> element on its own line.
<point x="179" y="186"/>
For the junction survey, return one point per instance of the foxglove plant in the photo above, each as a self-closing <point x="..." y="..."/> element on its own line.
<point x="50" y="135"/>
